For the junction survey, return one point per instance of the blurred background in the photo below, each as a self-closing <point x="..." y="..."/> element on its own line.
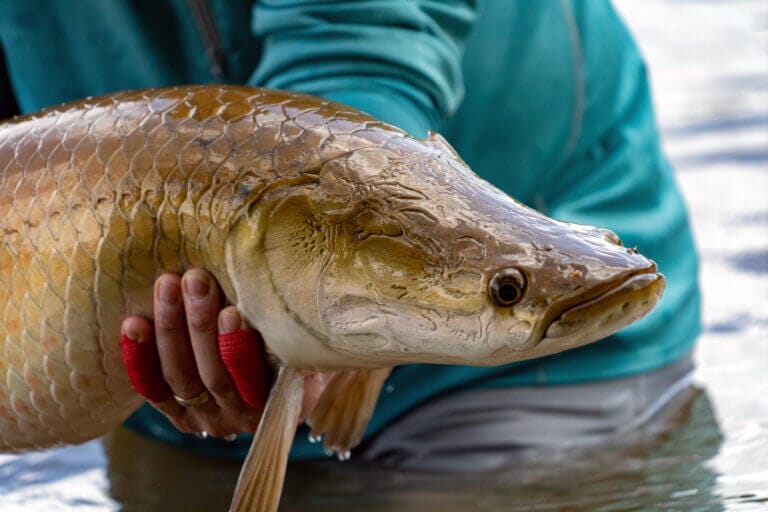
<point x="709" y="68"/>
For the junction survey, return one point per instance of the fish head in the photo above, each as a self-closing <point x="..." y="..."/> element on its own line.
<point x="408" y="256"/>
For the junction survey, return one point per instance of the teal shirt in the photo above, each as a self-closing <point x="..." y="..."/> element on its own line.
<point x="549" y="100"/>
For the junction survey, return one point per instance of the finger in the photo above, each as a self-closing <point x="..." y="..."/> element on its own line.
<point x="176" y="356"/>
<point x="242" y="355"/>
<point x="142" y="363"/>
<point x="202" y="304"/>
<point x="141" y="360"/>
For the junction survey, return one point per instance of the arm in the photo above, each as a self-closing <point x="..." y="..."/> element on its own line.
<point x="399" y="61"/>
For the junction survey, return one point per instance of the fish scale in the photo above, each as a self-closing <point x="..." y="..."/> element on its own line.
<point x="99" y="197"/>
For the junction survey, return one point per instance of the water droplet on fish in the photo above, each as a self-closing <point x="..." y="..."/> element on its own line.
<point x="344" y="456"/>
<point x="315" y="439"/>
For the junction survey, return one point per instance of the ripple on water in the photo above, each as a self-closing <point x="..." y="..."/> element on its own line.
<point x="755" y="261"/>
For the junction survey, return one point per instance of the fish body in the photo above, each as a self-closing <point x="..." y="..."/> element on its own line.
<point x="345" y="242"/>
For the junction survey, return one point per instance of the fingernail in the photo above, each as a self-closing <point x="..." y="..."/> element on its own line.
<point x="229" y="321"/>
<point x="168" y="291"/>
<point x="197" y="286"/>
<point x="133" y="334"/>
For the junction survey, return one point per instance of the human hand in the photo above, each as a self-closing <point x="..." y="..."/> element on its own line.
<point x="197" y="349"/>
<point x="182" y="356"/>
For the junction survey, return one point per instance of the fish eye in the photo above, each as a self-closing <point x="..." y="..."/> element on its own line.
<point x="506" y="287"/>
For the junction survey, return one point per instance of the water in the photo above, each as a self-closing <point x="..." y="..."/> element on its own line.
<point x="709" y="68"/>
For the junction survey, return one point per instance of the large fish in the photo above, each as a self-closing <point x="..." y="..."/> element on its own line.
<point x="348" y="244"/>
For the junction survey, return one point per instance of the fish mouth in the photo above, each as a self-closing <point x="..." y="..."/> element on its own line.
<point x="607" y="310"/>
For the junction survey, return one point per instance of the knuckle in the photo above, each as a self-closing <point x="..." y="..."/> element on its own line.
<point x="251" y="423"/>
<point x="248" y="419"/>
<point x="180" y="423"/>
<point x="202" y="321"/>
<point x="183" y="387"/>
<point x="168" y="324"/>
<point x="218" y="430"/>
<point x="219" y="385"/>
<point x="214" y="424"/>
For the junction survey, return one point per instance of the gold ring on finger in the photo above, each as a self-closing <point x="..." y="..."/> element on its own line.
<point x="200" y="399"/>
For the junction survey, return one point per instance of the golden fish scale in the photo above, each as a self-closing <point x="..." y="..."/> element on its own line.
<point x="99" y="197"/>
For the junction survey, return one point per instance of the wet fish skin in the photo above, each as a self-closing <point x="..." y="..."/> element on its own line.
<point x="347" y="243"/>
<point x="99" y="197"/>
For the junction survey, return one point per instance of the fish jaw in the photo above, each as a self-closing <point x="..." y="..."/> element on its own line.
<point x="595" y="318"/>
<point x="611" y="310"/>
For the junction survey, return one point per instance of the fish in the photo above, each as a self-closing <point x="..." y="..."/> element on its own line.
<point x="350" y="246"/>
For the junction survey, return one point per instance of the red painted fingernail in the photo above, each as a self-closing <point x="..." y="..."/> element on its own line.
<point x="143" y="365"/>
<point x="242" y="354"/>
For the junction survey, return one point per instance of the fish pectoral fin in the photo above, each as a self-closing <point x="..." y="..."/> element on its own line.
<point x="346" y="407"/>
<point x="260" y="483"/>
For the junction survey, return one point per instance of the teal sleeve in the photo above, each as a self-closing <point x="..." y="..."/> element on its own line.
<point x="617" y="176"/>
<point x="398" y="60"/>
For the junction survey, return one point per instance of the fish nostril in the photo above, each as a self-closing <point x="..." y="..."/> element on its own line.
<point x="611" y="236"/>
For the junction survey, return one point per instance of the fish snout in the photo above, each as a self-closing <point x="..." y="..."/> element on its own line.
<point x="608" y="312"/>
<point x="630" y="255"/>
<point x="607" y="247"/>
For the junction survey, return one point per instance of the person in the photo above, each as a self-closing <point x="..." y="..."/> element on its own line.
<point x="548" y="100"/>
